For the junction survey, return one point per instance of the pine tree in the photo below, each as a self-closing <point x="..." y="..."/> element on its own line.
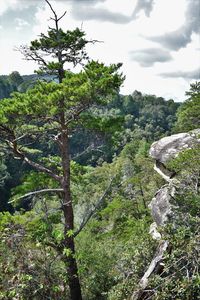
<point x="50" y="112"/>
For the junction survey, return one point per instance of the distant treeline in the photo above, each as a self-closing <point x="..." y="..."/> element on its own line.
<point x="126" y="118"/>
<point x="16" y="82"/>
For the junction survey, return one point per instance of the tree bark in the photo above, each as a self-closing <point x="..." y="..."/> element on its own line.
<point x="72" y="271"/>
<point x="69" y="260"/>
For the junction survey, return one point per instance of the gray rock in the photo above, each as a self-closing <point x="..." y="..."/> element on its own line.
<point x="161" y="206"/>
<point x="170" y="146"/>
<point x="154" y="231"/>
<point x="162" y="151"/>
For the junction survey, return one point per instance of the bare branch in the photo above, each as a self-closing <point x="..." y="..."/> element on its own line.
<point x="31" y="55"/>
<point x="52" y="9"/>
<point x="95" y="41"/>
<point x="21" y="137"/>
<point x="87" y="150"/>
<point x="96" y="207"/>
<point x="36" y="193"/>
<point x="56" y="19"/>
<point x="41" y="168"/>
<point x="154" y="267"/>
<point x="62" y="16"/>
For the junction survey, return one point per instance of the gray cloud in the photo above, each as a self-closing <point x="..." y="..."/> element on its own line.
<point x="148" y="57"/>
<point x="179" y="38"/>
<point x="91" y="2"/>
<point x="100" y="14"/>
<point x="82" y="12"/>
<point x="195" y="74"/>
<point x="145" y="5"/>
<point x="18" y="19"/>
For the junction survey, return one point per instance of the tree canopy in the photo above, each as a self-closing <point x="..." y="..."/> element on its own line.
<point x="189" y="113"/>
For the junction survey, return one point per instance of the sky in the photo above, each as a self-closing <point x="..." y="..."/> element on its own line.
<point x="157" y="41"/>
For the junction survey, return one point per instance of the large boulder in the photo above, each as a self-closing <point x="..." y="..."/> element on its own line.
<point x="161" y="206"/>
<point x="170" y="146"/>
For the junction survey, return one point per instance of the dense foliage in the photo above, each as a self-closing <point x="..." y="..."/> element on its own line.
<point x="75" y="169"/>
<point x="115" y="247"/>
<point x="189" y="113"/>
<point x="124" y="119"/>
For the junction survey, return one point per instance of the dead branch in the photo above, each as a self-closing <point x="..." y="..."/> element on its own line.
<point x="154" y="267"/>
<point x="95" y="208"/>
<point x="36" y="193"/>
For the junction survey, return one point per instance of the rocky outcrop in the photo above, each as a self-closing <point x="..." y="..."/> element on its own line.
<point x="163" y="206"/>
<point x="169" y="147"/>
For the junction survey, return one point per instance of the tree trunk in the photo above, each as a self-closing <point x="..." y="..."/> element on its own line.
<point x="72" y="271"/>
<point x="69" y="260"/>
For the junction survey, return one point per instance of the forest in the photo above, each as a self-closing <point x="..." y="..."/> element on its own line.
<point x="77" y="181"/>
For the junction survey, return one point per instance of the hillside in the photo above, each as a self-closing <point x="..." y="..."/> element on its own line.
<point x="99" y="191"/>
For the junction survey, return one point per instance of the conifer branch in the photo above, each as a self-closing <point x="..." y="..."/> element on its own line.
<point x="12" y="143"/>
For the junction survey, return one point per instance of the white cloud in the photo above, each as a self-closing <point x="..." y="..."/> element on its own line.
<point x="144" y="5"/>
<point x="20" y="23"/>
<point x="119" y="40"/>
<point x="6" y="5"/>
<point x="113" y="12"/>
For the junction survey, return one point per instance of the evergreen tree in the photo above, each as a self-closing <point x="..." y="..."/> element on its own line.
<point x="50" y="112"/>
<point x="188" y="116"/>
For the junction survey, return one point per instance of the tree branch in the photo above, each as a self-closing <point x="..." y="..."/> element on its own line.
<point x="73" y="115"/>
<point x="55" y="15"/>
<point x="52" y="9"/>
<point x="154" y="267"/>
<point x="43" y="169"/>
<point x="91" y="213"/>
<point x="36" y="193"/>
<point x="14" y="146"/>
<point x="62" y="16"/>
<point x="87" y="150"/>
<point x="31" y="55"/>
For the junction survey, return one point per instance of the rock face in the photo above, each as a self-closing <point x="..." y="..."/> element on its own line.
<point x="170" y="146"/>
<point x="162" y="206"/>
<point x="162" y="151"/>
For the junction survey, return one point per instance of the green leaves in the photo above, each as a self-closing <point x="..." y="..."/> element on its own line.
<point x="67" y="252"/>
<point x="29" y="268"/>
<point x="58" y="235"/>
<point x="104" y="80"/>
<point x="189" y="113"/>
<point x="68" y="46"/>
<point x="77" y="92"/>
